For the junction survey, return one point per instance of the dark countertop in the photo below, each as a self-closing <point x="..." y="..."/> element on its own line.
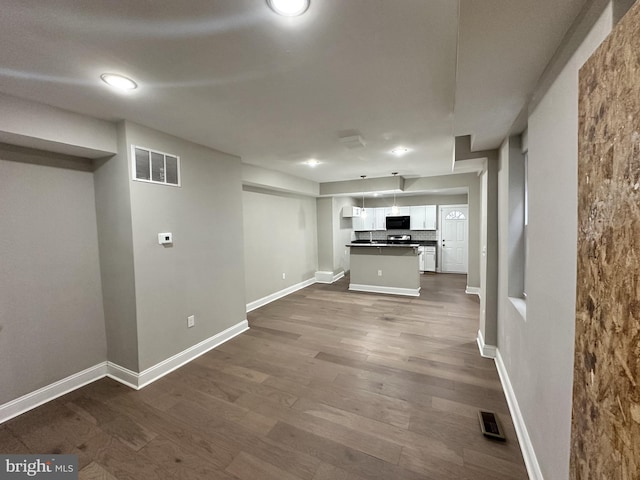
<point x="382" y="244"/>
<point x="379" y="243"/>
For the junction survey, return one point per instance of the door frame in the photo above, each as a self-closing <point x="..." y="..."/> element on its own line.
<point x="440" y="230"/>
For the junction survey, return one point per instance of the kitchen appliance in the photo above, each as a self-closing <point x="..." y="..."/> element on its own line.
<point x="402" y="222"/>
<point x="398" y="239"/>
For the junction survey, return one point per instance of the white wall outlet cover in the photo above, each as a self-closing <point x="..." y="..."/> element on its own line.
<point x="165" y="238"/>
<point x="191" y="321"/>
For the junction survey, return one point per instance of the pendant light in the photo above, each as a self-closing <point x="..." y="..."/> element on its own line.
<point x="394" y="208"/>
<point x="363" y="213"/>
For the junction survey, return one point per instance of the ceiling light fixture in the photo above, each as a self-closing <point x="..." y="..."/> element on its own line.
<point x="312" y="162"/>
<point x="399" y="151"/>
<point x="289" y="8"/>
<point x="394" y="208"/>
<point x="118" y="81"/>
<point x="363" y="212"/>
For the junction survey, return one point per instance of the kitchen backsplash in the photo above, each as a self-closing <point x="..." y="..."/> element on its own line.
<point x="419" y="235"/>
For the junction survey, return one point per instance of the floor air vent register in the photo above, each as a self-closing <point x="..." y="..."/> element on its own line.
<point x="490" y="425"/>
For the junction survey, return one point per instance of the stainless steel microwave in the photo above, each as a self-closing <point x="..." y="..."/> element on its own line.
<point x="402" y="222"/>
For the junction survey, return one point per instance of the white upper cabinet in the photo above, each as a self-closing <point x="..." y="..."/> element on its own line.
<point x="419" y="217"/>
<point x="373" y="220"/>
<point x="402" y="211"/>
<point x="430" y="223"/>
<point x="381" y="219"/>
<point x="423" y="217"/>
<point x="351" y="212"/>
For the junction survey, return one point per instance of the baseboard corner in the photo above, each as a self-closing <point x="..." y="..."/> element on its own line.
<point x="472" y="290"/>
<point x="487" y="351"/>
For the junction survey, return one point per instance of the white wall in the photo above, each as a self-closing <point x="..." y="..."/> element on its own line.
<point x="537" y="349"/>
<point x="51" y="315"/>
<point x="280" y="236"/>
<point x="35" y="125"/>
<point x="342" y="234"/>
<point x="202" y="274"/>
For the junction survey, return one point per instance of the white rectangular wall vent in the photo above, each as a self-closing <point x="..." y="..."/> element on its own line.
<point x="155" y="167"/>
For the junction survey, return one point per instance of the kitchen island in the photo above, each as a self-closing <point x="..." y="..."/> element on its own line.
<point x="385" y="268"/>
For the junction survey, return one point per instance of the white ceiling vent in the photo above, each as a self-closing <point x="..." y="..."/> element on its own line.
<point x="353" y="141"/>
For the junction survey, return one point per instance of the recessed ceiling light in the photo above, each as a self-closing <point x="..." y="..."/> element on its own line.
<point x="399" y="151"/>
<point x="312" y="162"/>
<point x="289" y="8"/>
<point x="118" y="81"/>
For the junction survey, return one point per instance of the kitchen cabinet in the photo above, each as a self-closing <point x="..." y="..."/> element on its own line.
<point x="349" y="212"/>
<point x="419" y="217"/>
<point x="381" y="222"/>
<point x="402" y="211"/>
<point x="430" y="223"/>
<point x="423" y="217"/>
<point x="374" y="220"/>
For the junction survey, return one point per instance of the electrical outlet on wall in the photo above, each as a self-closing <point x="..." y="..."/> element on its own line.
<point x="379" y="273"/>
<point x="284" y="276"/>
<point x="191" y="321"/>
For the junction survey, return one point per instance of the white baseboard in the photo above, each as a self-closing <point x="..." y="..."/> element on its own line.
<point x="34" y="399"/>
<point x="528" y="453"/>
<point x="487" y="351"/>
<point x="282" y="293"/>
<point x="411" y="292"/>
<point x="123" y="375"/>
<point x="324" y="277"/>
<point x="328" y="277"/>
<point x="472" y="290"/>
<point x="151" y="374"/>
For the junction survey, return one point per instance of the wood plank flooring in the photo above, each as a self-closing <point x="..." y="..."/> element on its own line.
<point x="326" y="385"/>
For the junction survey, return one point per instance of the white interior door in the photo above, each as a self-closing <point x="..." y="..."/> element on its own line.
<point x="454" y="241"/>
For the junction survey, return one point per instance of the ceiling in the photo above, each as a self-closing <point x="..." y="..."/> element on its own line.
<point x="276" y="91"/>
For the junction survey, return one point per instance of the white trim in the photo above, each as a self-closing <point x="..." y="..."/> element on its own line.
<point x="50" y="392"/>
<point x="123" y="375"/>
<point x="412" y="292"/>
<point x="276" y="295"/>
<point x="151" y="374"/>
<point x="487" y="351"/>
<point x="167" y="366"/>
<point x="472" y="290"/>
<point x="328" y="277"/>
<point x="528" y="452"/>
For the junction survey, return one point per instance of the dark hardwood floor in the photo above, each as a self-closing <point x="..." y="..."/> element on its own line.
<point x="326" y="385"/>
